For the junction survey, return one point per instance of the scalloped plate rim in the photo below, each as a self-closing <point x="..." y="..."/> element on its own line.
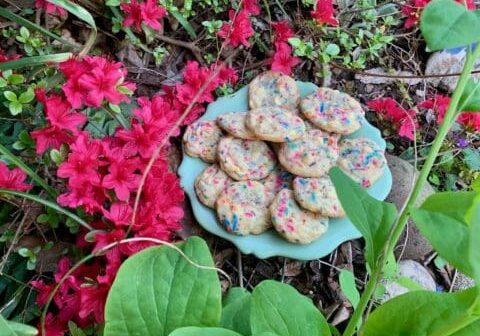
<point x="269" y="244"/>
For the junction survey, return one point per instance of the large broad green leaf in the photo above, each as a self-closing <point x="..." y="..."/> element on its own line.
<point x="157" y="291"/>
<point x="280" y="309"/>
<point x="236" y="311"/>
<point x="470" y="99"/>
<point x="370" y="216"/>
<point x="442" y="219"/>
<point x="423" y="313"/>
<point x="196" y="331"/>
<point x="446" y="24"/>
<point x="9" y="328"/>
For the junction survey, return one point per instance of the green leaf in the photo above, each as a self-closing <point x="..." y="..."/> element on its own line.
<point x="408" y="283"/>
<point x="422" y="313"/>
<point x="34" y="60"/>
<point x="113" y="3"/>
<point x="11" y="96"/>
<point x="9" y="328"/>
<point x="16" y="79"/>
<point x="294" y="42"/>
<point x="26" y="97"/>
<point x="157" y="291"/>
<point x="74" y="329"/>
<point x="83" y="15"/>
<point x="349" y="289"/>
<point x="442" y="220"/>
<point x="446" y="24"/>
<point x="471" y="157"/>
<point x="49" y="204"/>
<point x="24" y="22"/>
<point x="184" y="22"/>
<point x="332" y="49"/>
<point x="15" y="108"/>
<point x="24" y="33"/>
<point x="470" y="99"/>
<point x="280" y="309"/>
<point x="476" y="184"/>
<point x="370" y="216"/>
<point x="196" y="331"/>
<point x="236" y="311"/>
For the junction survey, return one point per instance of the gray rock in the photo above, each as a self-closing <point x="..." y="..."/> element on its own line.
<point x="416" y="246"/>
<point x="414" y="271"/>
<point x="463" y="282"/>
<point x="449" y="61"/>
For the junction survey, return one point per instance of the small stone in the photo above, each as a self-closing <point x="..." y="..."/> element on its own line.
<point x="417" y="247"/>
<point x="449" y="61"/>
<point x="462" y="282"/>
<point x="414" y="271"/>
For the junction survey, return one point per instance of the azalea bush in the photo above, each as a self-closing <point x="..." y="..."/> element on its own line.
<point x="86" y="172"/>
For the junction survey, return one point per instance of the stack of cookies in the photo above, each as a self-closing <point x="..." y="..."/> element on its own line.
<point x="269" y="165"/>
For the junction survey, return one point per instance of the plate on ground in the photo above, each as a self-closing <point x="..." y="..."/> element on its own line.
<point x="270" y="244"/>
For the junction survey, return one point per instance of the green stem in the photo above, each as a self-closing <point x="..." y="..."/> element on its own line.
<point x="49" y="204"/>
<point x="399" y="225"/>
<point x="34" y="176"/>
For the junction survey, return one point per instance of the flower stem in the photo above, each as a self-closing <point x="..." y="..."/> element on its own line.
<point x="400" y="223"/>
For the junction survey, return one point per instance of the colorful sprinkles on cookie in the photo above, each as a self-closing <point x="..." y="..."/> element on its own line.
<point x="333" y="111"/>
<point x="234" y="124"/>
<point x="318" y="195"/>
<point x="242" y="208"/>
<point x="210" y="183"/>
<point x="201" y="140"/>
<point x="273" y="89"/>
<point x="362" y="159"/>
<point x="311" y="156"/>
<point x="294" y="223"/>
<point x="275" y="124"/>
<point x="245" y="159"/>
<point x="277" y="180"/>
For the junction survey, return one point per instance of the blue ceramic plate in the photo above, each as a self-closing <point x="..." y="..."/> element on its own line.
<point x="270" y="244"/>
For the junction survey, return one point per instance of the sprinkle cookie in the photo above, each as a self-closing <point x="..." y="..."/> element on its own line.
<point x="234" y="124"/>
<point x="273" y="89"/>
<point x="201" y="140"/>
<point x="311" y="156"/>
<point x="317" y="194"/>
<point x="242" y="208"/>
<point x="362" y="159"/>
<point x="275" y="124"/>
<point x="245" y="159"/>
<point x="292" y="222"/>
<point x="333" y="111"/>
<point x="277" y="180"/>
<point x="210" y="183"/>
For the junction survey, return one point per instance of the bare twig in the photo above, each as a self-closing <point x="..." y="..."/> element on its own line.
<point x="187" y="45"/>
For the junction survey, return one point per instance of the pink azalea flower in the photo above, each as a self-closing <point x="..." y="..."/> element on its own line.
<point x="148" y="12"/>
<point x="251" y="6"/>
<point x="122" y="178"/>
<point x="324" y="13"/>
<point x="404" y="120"/>
<point x="283" y="31"/>
<point x="439" y="104"/>
<point x="13" y="179"/>
<point x="282" y="60"/>
<point x="50" y="8"/>
<point x="238" y="30"/>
